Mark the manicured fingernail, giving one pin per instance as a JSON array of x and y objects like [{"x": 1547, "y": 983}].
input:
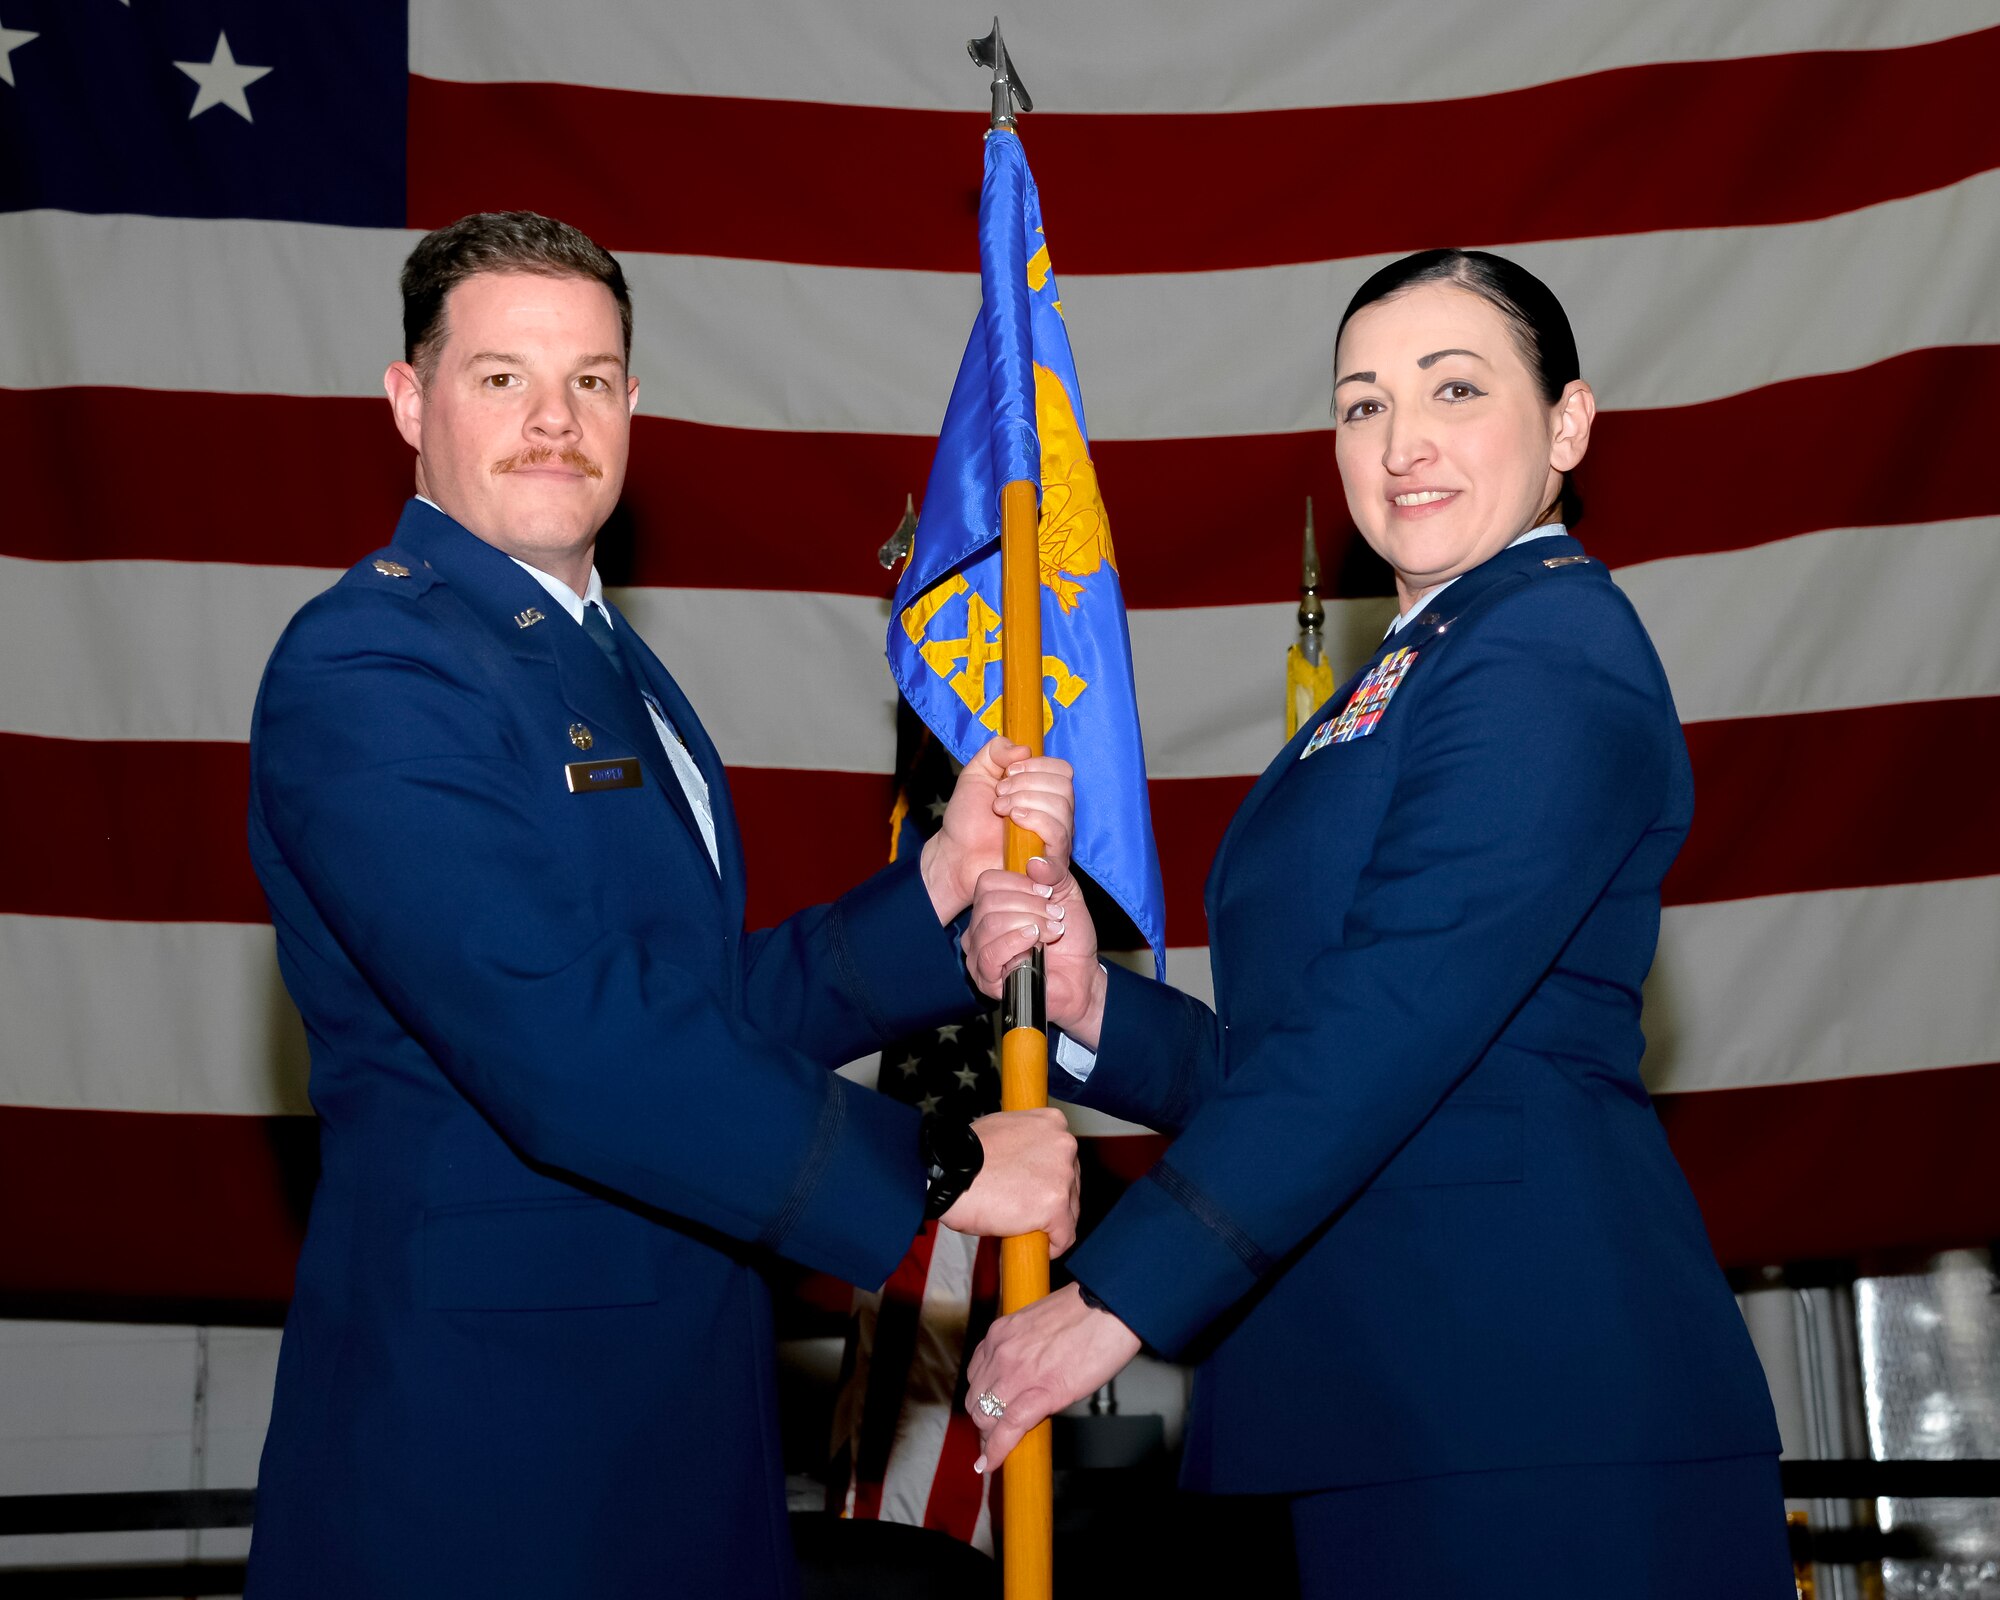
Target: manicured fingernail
[
  {"x": 979, "y": 1465},
  {"x": 1044, "y": 889},
  {"x": 1057, "y": 912}
]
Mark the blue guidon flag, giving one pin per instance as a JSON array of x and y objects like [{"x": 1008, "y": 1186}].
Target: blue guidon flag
[{"x": 1016, "y": 413}]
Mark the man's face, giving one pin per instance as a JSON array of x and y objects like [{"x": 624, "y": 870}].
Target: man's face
[{"x": 523, "y": 430}]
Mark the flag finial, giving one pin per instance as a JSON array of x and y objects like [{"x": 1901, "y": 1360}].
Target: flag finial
[
  {"x": 1312, "y": 615},
  {"x": 1008, "y": 90},
  {"x": 899, "y": 544}
]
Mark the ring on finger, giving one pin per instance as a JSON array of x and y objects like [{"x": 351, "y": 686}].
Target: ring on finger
[{"x": 991, "y": 1404}]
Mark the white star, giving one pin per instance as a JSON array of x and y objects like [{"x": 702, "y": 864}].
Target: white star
[
  {"x": 11, "y": 39},
  {"x": 222, "y": 81},
  {"x": 907, "y": 1066},
  {"x": 938, "y": 807},
  {"x": 968, "y": 1077},
  {"x": 928, "y": 1104},
  {"x": 949, "y": 1032}
]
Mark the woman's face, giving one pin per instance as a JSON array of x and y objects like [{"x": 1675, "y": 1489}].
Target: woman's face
[{"x": 1446, "y": 448}]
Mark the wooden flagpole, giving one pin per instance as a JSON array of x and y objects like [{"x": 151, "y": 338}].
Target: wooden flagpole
[
  {"x": 1028, "y": 1478},
  {"x": 1028, "y": 1494}
]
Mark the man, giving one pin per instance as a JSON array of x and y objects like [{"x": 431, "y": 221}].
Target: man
[{"x": 567, "y": 1103}]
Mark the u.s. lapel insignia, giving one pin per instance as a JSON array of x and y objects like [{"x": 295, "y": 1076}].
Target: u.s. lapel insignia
[
  {"x": 528, "y": 618},
  {"x": 1364, "y": 708},
  {"x": 579, "y": 736},
  {"x": 391, "y": 569}
]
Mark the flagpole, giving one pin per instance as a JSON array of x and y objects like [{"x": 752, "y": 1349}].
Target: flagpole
[
  {"x": 1028, "y": 1496},
  {"x": 1028, "y": 1478}
]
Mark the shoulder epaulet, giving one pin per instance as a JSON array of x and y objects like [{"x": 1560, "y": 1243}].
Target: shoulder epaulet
[{"x": 392, "y": 569}]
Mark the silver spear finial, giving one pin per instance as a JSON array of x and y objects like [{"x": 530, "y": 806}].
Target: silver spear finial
[{"x": 1008, "y": 90}]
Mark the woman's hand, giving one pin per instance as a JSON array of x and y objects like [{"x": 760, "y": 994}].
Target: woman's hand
[
  {"x": 1002, "y": 783},
  {"x": 1012, "y": 913},
  {"x": 1037, "y": 1361}
]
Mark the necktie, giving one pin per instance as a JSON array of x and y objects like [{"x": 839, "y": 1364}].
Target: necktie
[{"x": 598, "y": 626}]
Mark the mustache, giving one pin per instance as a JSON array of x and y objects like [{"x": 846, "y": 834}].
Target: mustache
[{"x": 536, "y": 455}]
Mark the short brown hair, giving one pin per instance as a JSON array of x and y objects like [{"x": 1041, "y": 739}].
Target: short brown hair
[{"x": 497, "y": 241}]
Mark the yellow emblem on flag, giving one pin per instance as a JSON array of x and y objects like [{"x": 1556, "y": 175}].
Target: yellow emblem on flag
[{"x": 1075, "y": 533}]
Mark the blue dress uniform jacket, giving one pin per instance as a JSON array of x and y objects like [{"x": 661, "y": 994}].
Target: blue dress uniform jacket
[
  {"x": 1419, "y": 1216},
  {"x": 566, "y": 1103}
]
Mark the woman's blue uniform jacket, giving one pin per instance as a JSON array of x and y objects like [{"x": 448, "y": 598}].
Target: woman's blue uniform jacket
[
  {"x": 1419, "y": 1215},
  {"x": 566, "y": 1103}
]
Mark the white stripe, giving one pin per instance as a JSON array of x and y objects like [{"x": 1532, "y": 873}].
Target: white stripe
[
  {"x": 1662, "y": 319},
  {"x": 1822, "y": 622},
  {"x": 1848, "y": 983},
  {"x": 1764, "y": 991},
  {"x": 1133, "y": 55},
  {"x": 140, "y": 649},
  {"x": 1827, "y": 621},
  {"x": 147, "y": 1016},
  {"x": 930, "y": 1384},
  {"x": 1744, "y": 992},
  {"x": 927, "y": 1384}
]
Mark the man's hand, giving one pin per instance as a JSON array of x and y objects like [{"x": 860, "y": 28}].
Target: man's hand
[
  {"x": 1028, "y": 1183},
  {"x": 1040, "y": 1359},
  {"x": 1013, "y": 912},
  {"x": 1002, "y": 783}
]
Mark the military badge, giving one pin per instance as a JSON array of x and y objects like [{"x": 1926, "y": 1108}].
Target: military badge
[{"x": 1365, "y": 706}]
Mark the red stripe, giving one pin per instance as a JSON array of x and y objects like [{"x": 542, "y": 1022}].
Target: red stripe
[
  {"x": 1769, "y": 1165},
  {"x": 137, "y": 832},
  {"x": 738, "y": 509},
  {"x": 1777, "y": 1170},
  {"x": 128, "y": 832},
  {"x": 192, "y": 1207},
  {"x": 119, "y": 1205},
  {"x": 873, "y": 187},
  {"x": 1784, "y": 805},
  {"x": 792, "y": 866},
  {"x": 1841, "y": 800}
]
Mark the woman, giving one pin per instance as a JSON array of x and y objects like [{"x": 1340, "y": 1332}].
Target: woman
[{"x": 1419, "y": 1225}]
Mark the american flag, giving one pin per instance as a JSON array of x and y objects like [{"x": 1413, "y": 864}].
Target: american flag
[
  {"x": 1776, "y": 226},
  {"x": 902, "y": 1446}
]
